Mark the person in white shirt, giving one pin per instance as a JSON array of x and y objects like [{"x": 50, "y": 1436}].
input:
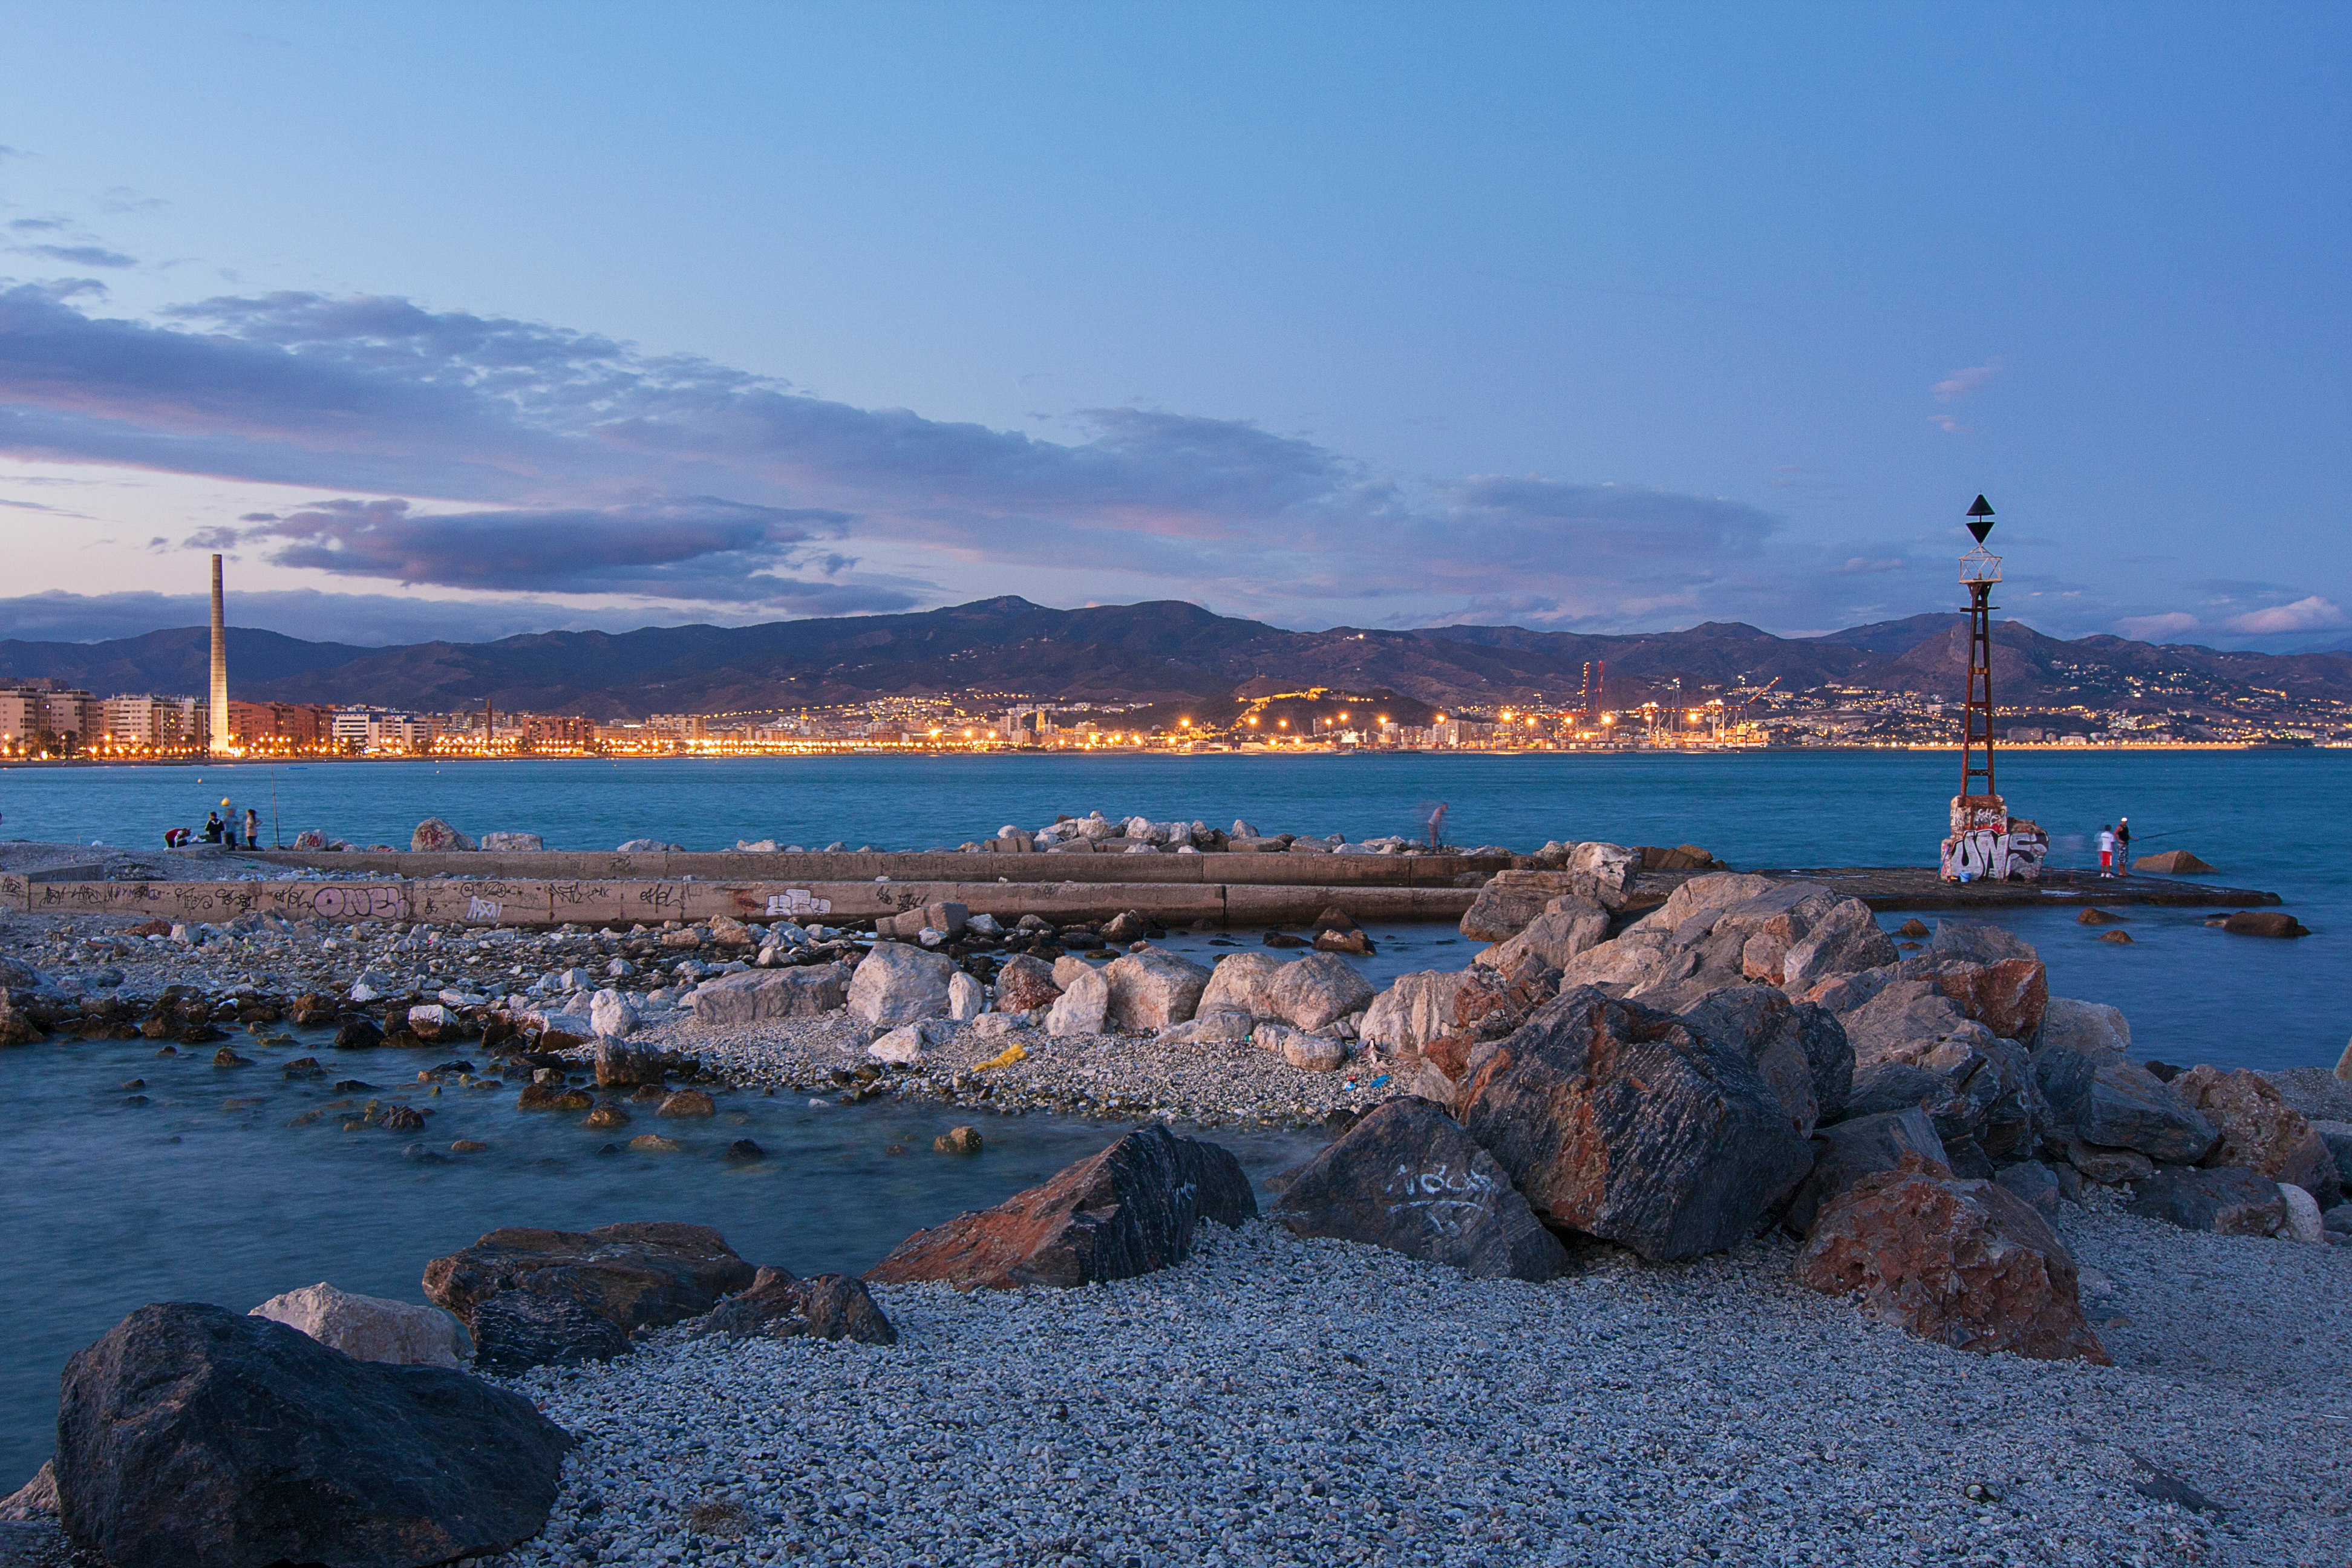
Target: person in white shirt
[{"x": 2107, "y": 851}]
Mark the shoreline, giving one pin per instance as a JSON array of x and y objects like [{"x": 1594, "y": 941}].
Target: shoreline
[{"x": 933, "y": 752}]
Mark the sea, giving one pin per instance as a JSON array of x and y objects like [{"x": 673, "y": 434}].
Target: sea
[{"x": 185, "y": 1188}]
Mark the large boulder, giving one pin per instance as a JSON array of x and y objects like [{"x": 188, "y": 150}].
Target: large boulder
[
  {"x": 1501, "y": 912},
  {"x": 778, "y": 1306},
  {"x": 2229, "y": 1199},
  {"x": 1083, "y": 1007},
  {"x": 1025, "y": 982},
  {"x": 1847, "y": 939},
  {"x": 896, "y": 983},
  {"x": 513, "y": 843},
  {"x": 2086, "y": 1028},
  {"x": 1126, "y": 1211},
  {"x": 1964, "y": 1263},
  {"x": 2007, "y": 998},
  {"x": 556, "y": 1286},
  {"x": 1152, "y": 990},
  {"x": 1487, "y": 1006},
  {"x": 1407, "y": 1177},
  {"x": 755, "y": 995},
  {"x": 2124, "y": 1106},
  {"x": 1242, "y": 982},
  {"x": 1799, "y": 1050},
  {"x": 1415, "y": 1009},
  {"x": 1974, "y": 942},
  {"x": 1627, "y": 1124},
  {"x": 1569, "y": 926},
  {"x": 1704, "y": 895},
  {"x": 372, "y": 1327},
  {"x": 1845, "y": 1151},
  {"x": 2260, "y": 1131},
  {"x": 1316, "y": 991},
  {"x": 433, "y": 835},
  {"x": 193, "y": 1438}
]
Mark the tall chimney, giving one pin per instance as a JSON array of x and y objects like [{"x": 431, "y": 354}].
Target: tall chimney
[{"x": 220, "y": 740}]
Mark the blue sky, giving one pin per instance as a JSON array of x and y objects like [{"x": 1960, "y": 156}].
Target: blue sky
[{"x": 461, "y": 321}]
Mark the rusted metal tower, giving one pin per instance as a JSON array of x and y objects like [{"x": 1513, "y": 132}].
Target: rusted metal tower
[{"x": 1979, "y": 570}]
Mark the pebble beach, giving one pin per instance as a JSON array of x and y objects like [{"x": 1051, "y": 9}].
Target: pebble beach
[{"x": 1277, "y": 1400}]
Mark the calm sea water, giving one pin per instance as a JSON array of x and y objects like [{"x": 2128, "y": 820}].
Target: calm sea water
[{"x": 199, "y": 1195}]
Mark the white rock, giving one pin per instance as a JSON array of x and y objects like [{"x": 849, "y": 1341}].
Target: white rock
[
  {"x": 1306, "y": 1052},
  {"x": 1152, "y": 990},
  {"x": 755, "y": 847},
  {"x": 1080, "y": 1008},
  {"x": 429, "y": 1016},
  {"x": 902, "y": 1047},
  {"x": 966, "y": 999},
  {"x": 986, "y": 925},
  {"x": 999, "y": 1025},
  {"x": 2303, "y": 1222},
  {"x": 1241, "y": 983},
  {"x": 364, "y": 992},
  {"x": 371, "y": 1328},
  {"x": 896, "y": 983},
  {"x": 513, "y": 843},
  {"x": 1316, "y": 990},
  {"x": 1220, "y": 1027},
  {"x": 611, "y": 1015},
  {"x": 1067, "y": 968}
]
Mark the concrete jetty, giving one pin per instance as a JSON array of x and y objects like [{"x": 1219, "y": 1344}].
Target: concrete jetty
[{"x": 551, "y": 888}]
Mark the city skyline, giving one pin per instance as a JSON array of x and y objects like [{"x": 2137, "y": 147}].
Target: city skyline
[{"x": 1577, "y": 321}]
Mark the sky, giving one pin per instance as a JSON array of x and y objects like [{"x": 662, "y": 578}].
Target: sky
[{"x": 457, "y": 322}]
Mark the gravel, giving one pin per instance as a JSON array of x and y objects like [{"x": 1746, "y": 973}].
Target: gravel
[
  {"x": 1207, "y": 1084},
  {"x": 1274, "y": 1401}
]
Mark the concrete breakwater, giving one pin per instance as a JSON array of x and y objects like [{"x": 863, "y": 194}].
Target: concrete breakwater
[{"x": 498, "y": 902}]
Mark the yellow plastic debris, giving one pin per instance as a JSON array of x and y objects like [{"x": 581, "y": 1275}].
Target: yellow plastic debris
[{"x": 1005, "y": 1057}]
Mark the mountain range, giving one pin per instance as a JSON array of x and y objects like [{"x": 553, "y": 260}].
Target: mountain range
[{"x": 1172, "y": 652}]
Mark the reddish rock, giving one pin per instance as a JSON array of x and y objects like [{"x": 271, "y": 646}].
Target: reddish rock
[
  {"x": 2007, "y": 998},
  {"x": 637, "y": 1275},
  {"x": 2259, "y": 1129},
  {"x": 1349, "y": 942},
  {"x": 1126, "y": 1211},
  {"x": 1628, "y": 1125},
  {"x": 1025, "y": 984},
  {"x": 1966, "y": 1263},
  {"x": 2171, "y": 863}
]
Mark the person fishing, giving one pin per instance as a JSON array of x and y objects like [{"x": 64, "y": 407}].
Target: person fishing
[
  {"x": 252, "y": 828},
  {"x": 2123, "y": 845},
  {"x": 2107, "y": 850}
]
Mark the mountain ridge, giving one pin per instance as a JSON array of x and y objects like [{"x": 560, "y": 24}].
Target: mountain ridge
[{"x": 1164, "y": 651}]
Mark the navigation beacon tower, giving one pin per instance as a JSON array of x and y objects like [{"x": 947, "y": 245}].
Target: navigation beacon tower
[
  {"x": 220, "y": 735},
  {"x": 1985, "y": 841}
]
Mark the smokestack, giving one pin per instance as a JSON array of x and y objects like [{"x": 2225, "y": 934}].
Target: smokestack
[{"x": 220, "y": 740}]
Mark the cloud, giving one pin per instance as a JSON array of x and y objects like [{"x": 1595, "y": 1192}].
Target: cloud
[
  {"x": 372, "y": 620},
  {"x": 483, "y": 453},
  {"x": 1960, "y": 383},
  {"x": 2156, "y": 628},
  {"x": 697, "y": 548},
  {"x": 2308, "y": 615},
  {"x": 1949, "y": 425},
  {"x": 1865, "y": 566},
  {"x": 78, "y": 255}
]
